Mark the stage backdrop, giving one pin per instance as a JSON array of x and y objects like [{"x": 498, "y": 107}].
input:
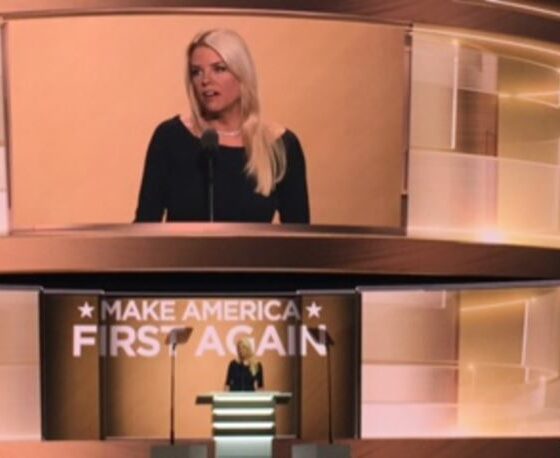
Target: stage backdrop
[
  {"x": 86, "y": 94},
  {"x": 110, "y": 355}
]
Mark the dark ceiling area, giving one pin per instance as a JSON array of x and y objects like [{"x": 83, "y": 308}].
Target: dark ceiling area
[{"x": 481, "y": 15}]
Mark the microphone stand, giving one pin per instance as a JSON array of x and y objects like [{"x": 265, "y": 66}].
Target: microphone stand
[
  {"x": 210, "y": 187},
  {"x": 210, "y": 143},
  {"x": 172, "y": 410},
  {"x": 176, "y": 336},
  {"x": 329, "y": 388}
]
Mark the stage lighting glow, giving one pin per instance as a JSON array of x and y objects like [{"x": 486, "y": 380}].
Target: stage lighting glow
[
  {"x": 526, "y": 8},
  {"x": 535, "y": 97},
  {"x": 265, "y": 412},
  {"x": 243, "y": 439},
  {"x": 474, "y": 308},
  {"x": 491, "y": 236},
  {"x": 244, "y": 398},
  {"x": 455, "y": 100},
  {"x": 488, "y": 39}
]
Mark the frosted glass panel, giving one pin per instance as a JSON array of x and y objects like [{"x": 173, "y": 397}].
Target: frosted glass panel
[
  {"x": 458, "y": 194},
  {"x": 3, "y": 212},
  {"x": 20, "y": 403},
  {"x": 409, "y": 370},
  {"x": 484, "y": 160},
  {"x": 528, "y": 194},
  {"x": 448, "y": 191},
  {"x": 432, "y": 97},
  {"x": 3, "y": 164},
  {"x": 489, "y": 364}
]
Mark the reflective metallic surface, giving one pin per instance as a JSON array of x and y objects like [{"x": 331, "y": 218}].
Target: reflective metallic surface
[{"x": 266, "y": 249}]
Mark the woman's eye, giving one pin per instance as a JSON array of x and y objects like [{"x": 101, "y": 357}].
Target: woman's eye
[
  {"x": 220, "y": 68},
  {"x": 195, "y": 72}
]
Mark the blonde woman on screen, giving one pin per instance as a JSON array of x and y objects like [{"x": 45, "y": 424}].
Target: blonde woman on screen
[
  {"x": 223, "y": 162},
  {"x": 244, "y": 373}
]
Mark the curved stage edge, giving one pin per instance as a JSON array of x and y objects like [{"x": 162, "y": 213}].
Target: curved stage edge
[
  {"x": 266, "y": 249},
  {"x": 478, "y": 15}
]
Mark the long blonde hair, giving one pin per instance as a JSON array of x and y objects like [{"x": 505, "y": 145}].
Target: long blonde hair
[
  {"x": 266, "y": 154},
  {"x": 250, "y": 358}
]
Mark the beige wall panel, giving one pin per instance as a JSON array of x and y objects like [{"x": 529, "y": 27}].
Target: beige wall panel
[
  {"x": 431, "y": 104},
  {"x": 86, "y": 94},
  {"x": 20, "y": 402},
  {"x": 409, "y": 326},
  {"x": 542, "y": 342},
  {"x": 4, "y": 212},
  {"x": 492, "y": 333},
  {"x": 408, "y": 375},
  {"x": 529, "y": 197},
  {"x": 529, "y": 133},
  {"x": 19, "y": 318},
  {"x": 509, "y": 361}
]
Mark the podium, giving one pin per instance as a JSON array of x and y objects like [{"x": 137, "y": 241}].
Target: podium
[{"x": 244, "y": 423}]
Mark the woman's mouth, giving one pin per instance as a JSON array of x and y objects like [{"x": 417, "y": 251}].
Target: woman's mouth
[{"x": 210, "y": 94}]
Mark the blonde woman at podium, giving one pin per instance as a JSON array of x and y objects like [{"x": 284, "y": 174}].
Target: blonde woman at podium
[
  {"x": 244, "y": 373},
  {"x": 223, "y": 162}
]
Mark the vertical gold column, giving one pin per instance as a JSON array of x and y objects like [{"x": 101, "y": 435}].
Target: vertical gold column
[
  {"x": 71, "y": 379},
  {"x": 339, "y": 315}
]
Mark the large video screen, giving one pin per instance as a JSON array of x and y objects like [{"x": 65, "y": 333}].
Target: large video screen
[{"x": 87, "y": 92}]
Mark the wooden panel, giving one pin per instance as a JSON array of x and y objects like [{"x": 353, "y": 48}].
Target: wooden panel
[
  {"x": 272, "y": 249},
  {"x": 339, "y": 314},
  {"x": 70, "y": 385},
  {"x": 440, "y": 12},
  {"x": 85, "y": 449},
  {"x": 443, "y": 448}
]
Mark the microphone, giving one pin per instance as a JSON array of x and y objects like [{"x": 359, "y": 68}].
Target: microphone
[
  {"x": 178, "y": 336},
  {"x": 210, "y": 146},
  {"x": 209, "y": 140},
  {"x": 174, "y": 336}
]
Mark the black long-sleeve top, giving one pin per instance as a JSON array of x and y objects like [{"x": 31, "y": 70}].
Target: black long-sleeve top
[
  {"x": 240, "y": 378},
  {"x": 175, "y": 182}
]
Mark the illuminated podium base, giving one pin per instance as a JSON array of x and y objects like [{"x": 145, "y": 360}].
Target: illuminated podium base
[
  {"x": 244, "y": 423},
  {"x": 179, "y": 451},
  {"x": 321, "y": 451},
  {"x": 243, "y": 447}
]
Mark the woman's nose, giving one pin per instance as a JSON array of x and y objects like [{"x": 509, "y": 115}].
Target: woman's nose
[{"x": 205, "y": 77}]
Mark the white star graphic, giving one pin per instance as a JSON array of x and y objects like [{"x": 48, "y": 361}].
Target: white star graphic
[
  {"x": 86, "y": 310},
  {"x": 313, "y": 310}
]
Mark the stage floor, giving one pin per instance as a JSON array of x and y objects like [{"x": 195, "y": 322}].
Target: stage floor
[{"x": 548, "y": 447}]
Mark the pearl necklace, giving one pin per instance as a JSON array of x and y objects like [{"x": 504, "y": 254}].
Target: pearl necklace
[{"x": 229, "y": 133}]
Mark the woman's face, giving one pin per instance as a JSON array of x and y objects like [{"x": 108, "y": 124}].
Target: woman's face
[
  {"x": 217, "y": 89},
  {"x": 243, "y": 350}
]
